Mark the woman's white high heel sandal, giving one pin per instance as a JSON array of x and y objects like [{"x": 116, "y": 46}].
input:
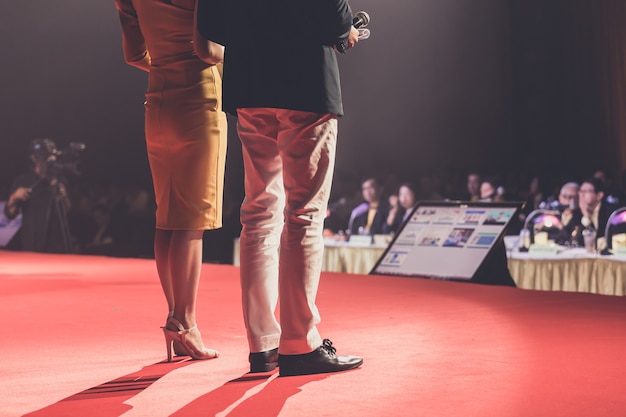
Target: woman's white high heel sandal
[
  {"x": 179, "y": 350},
  {"x": 180, "y": 337}
]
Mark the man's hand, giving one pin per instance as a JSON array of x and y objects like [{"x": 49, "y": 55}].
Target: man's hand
[
  {"x": 585, "y": 209},
  {"x": 21, "y": 194},
  {"x": 352, "y": 39},
  {"x": 393, "y": 209}
]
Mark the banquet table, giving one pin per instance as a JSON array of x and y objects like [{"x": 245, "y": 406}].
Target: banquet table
[{"x": 572, "y": 270}]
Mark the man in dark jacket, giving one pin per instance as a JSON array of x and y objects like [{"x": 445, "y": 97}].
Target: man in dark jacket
[
  {"x": 593, "y": 212},
  {"x": 41, "y": 196},
  {"x": 281, "y": 79},
  {"x": 370, "y": 217}
]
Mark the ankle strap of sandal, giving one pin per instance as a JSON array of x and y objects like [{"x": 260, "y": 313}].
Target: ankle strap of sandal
[{"x": 180, "y": 326}]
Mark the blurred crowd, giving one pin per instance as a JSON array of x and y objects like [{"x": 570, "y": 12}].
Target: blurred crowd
[
  {"x": 374, "y": 205},
  {"x": 117, "y": 219}
]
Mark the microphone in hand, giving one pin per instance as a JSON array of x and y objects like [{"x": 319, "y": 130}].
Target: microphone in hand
[{"x": 360, "y": 20}]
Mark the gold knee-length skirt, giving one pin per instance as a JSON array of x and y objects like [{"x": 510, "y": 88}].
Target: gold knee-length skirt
[{"x": 186, "y": 141}]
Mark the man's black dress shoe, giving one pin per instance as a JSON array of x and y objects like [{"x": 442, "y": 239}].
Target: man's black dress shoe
[
  {"x": 263, "y": 361},
  {"x": 322, "y": 360}
]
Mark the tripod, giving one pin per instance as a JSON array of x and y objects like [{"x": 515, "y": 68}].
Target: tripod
[{"x": 55, "y": 214}]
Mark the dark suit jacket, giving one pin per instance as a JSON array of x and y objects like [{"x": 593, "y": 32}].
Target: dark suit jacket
[
  {"x": 570, "y": 229},
  {"x": 279, "y": 53}
]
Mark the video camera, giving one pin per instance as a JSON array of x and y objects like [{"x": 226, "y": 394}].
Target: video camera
[
  {"x": 65, "y": 161},
  {"x": 68, "y": 160}
]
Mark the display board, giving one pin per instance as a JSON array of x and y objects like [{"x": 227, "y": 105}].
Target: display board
[{"x": 447, "y": 240}]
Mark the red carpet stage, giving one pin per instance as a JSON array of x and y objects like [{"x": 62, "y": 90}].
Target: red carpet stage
[{"x": 80, "y": 337}]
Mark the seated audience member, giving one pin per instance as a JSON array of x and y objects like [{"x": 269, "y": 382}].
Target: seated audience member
[
  {"x": 472, "y": 187},
  {"x": 538, "y": 191},
  {"x": 533, "y": 196},
  {"x": 370, "y": 217},
  {"x": 565, "y": 203},
  {"x": 491, "y": 190},
  {"x": 401, "y": 206},
  {"x": 592, "y": 211}
]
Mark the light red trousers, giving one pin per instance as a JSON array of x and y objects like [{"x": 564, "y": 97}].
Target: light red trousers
[{"x": 289, "y": 158}]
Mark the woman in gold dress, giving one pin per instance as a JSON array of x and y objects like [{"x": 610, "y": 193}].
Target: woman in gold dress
[{"x": 186, "y": 141}]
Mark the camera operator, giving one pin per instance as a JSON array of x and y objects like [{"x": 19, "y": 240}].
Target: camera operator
[{"x": 41, "y": 196}]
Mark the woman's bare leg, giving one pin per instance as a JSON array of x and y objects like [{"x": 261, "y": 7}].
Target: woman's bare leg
[
  {"x": 185, "y": 262},
  {"x": 178, "y": 255},
  {"x": 162, "y": 243}
]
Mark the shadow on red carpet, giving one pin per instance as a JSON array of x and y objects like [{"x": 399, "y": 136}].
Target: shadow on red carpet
[
  {"x": 107, "y": 399},
  {"x": 245, "y": 396},
  {"x": 240, "y": 397}
]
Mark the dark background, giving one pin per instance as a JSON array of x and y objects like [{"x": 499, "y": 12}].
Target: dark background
[{"x": 442, "y": 86}]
